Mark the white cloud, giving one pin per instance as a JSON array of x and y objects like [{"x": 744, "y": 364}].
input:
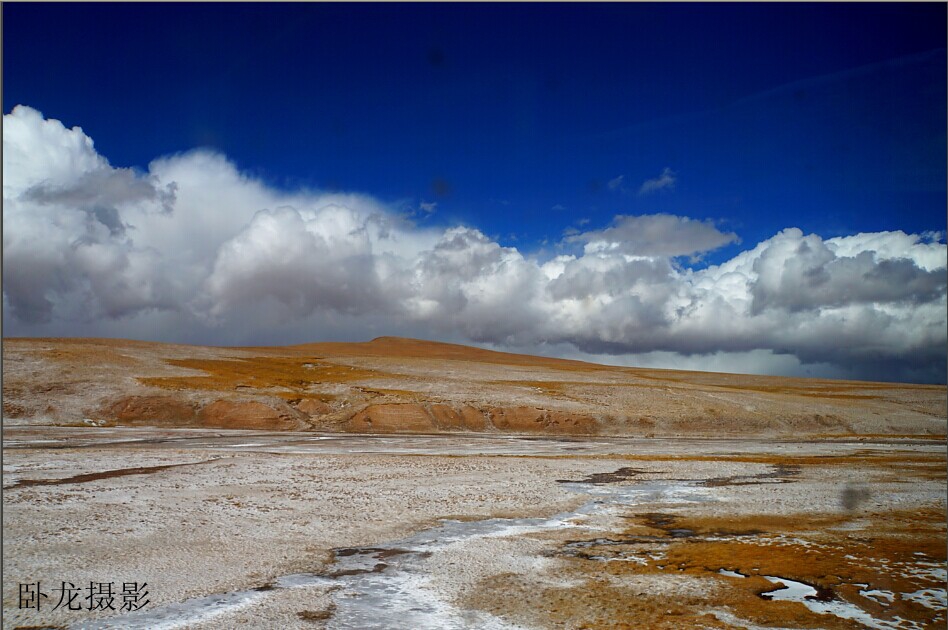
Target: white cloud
[
  {"x": 665, "y": 180},
  {"x": 196, "y": 251},
  {"x": 615, "y": 183},
  {"x": 655, "y": 235}
]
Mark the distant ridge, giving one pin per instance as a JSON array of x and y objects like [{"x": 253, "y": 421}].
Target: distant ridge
[{"x": 388, "y": 346}]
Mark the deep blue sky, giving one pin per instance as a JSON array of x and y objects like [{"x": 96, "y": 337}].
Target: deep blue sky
[{"x": 513, "y": 117}]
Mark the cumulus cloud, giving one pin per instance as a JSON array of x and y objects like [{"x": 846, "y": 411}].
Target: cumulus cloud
[
  {"x": 304, "y": 261},
  {"x": 615, "y": 183},
  {"x": 194, "y": 250},
  {"x": 665, "y": 180},
  {"x": 800, "y": 272}
]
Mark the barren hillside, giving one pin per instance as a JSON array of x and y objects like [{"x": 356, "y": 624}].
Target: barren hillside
[{"x": 405, "y": 385}]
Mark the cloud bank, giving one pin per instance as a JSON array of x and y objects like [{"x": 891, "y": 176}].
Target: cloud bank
[{"x": 195, "y": 251}]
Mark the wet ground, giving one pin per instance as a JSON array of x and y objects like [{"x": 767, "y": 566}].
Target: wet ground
[{"x": 335, "y": 531}]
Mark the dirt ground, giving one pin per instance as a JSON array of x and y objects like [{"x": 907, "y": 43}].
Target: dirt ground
[{"x": 645, "y": 528}]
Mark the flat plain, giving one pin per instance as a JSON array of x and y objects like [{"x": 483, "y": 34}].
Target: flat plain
[{"x": 407, "y": 484}]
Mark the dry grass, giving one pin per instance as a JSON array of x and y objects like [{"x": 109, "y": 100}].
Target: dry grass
[
  {"x": 675, "y": 581},
  {"x": 293, "y": 374}
]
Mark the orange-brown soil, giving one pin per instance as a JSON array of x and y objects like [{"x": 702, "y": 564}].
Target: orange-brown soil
[
  {"x": 145, "y": 409},
  {"x": 404, "y": 385},
  {"x": 227, "y": 414}
]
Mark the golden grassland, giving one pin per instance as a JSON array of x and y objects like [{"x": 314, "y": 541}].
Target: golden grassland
[{"x": 294, "y": 375}]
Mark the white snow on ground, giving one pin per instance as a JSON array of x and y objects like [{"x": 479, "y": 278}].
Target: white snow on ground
[
  {"x": 934, "y": 598},
  {"x": 799, "y": 592}
]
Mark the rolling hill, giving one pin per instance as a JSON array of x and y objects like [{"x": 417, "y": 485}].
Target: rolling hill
[{"x": 401, "y": 385}]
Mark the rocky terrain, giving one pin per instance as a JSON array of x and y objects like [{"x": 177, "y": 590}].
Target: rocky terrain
[{"x": 395, "y": 385}]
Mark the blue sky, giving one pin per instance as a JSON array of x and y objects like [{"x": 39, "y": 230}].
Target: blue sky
[
  {"x": 831, "y": 114},
  {"x": 530, "y": 124}
]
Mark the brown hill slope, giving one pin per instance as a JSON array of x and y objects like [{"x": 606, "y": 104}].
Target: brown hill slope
[{"x": 407, "y": 385}]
